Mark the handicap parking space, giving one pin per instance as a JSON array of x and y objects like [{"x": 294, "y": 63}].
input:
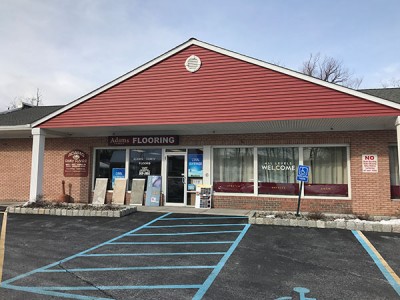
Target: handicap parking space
[
  {"x": 188, "y": 256},
  {"x": 388, "y": 245},
  {"x": 272, "y": 261}
]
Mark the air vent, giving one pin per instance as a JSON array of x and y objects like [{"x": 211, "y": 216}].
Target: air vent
[{"x": 193, "y": 63}]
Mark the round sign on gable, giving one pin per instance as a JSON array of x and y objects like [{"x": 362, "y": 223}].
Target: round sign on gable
[{"x": 193, "y": 63}]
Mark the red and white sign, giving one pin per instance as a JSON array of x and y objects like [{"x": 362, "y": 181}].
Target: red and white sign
[{"x": 370, "y": 163}]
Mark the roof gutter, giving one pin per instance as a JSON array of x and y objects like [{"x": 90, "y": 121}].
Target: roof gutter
[{"x": 16, "y": 127}]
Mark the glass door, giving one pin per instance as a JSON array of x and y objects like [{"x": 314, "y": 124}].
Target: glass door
[{"x": 176, "y": 179}]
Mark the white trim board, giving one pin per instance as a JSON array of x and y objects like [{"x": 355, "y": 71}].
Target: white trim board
[
  {"x": 226, "y": 52},
  {"x": 15, "y": 127}
]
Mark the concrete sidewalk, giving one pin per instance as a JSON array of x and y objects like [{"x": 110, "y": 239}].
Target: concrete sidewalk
[{"x": 192, "y": 210}]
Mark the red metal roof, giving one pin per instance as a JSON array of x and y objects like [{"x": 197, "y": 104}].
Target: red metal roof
[{"x": 224, "y": 89}]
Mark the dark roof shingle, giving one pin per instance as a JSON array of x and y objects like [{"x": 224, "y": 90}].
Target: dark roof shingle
[
  {"x": 26, "y": 115},
  {"x": 392, "y": 94}
]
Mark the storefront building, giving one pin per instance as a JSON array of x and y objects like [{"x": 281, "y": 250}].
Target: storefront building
[{"x": 200, "y": 114}]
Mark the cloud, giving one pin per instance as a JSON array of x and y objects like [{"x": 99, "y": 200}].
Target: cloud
[{"x": 68, "y": 48}]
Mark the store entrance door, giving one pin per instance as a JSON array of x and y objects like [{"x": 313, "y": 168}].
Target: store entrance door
[{"x": 176, "y": 179}]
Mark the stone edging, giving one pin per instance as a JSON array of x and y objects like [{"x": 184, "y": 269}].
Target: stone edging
[
  {"x": 337, "y": 224},
  {"x": 76, "y": 212}
]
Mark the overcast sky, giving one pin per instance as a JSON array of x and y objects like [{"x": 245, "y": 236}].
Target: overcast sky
[{"x": 67, "y": 48}]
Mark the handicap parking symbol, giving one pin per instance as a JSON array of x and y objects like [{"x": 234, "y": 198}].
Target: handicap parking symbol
[
  {"x": 302, "y": 173},
  {"x": 301, "y": 294}
]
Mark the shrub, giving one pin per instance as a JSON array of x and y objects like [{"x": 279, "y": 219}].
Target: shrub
[
  {"x": 316, "y": 215},
  {"x": 365, "y": 217}
]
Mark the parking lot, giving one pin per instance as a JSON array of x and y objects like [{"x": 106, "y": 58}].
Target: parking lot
[{"x": 188, "y": 256}]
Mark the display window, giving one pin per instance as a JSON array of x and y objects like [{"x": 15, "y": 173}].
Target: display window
[
  {"x": 233, "y": 170},
  {"x": 328, "y": 171},
  {"x": 110, "y": 163},
  {"x": 143, "y": 163},
  {"x": 277, "y": 169}
]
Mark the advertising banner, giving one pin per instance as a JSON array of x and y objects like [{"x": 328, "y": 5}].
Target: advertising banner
[
  {"x": 153, "y": 191},
  {"x": 117, "y": 173},
  {"x": 195, "y": 165}
]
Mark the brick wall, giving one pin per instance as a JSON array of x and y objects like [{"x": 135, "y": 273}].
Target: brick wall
[
  {"x": 370, "y": 191},
  {"x": 282, "y": 204},
  {"x": 15, "y": 169},
  {"x": 55, "y": 149}
]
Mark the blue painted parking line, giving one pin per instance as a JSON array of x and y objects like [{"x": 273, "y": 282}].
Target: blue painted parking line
[
  {"x": 40, "y": 291},
  {"x": 62, "y": 291},
  {"x": 120, "y": 287},
  {"x": 125, "y": 269},
  {"x": 206, "y": 218},
  {"x": 171, "y": 243},
  {"x": 191, "y": 225},
  {"x": 186, "y": 233},
  {"x": 152, "y": 254}
]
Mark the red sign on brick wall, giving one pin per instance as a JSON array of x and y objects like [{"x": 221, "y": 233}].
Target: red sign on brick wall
[{"x": 76, "y": 164}]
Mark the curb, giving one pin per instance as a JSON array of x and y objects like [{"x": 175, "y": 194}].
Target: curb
[
  {"x": 340, "y": 224},
  {"x": 72, "y": 212}
]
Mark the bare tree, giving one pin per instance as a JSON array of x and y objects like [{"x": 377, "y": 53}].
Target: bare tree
[
  {"x": 391, "y": 83},
  {"x": 331, "y": 70},
  {"x": 32, "y": 100}
]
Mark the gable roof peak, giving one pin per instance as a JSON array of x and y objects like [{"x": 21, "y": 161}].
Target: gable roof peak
[{"x": 229, "y": 53}]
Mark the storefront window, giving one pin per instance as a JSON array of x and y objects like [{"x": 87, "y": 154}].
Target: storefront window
[
  {"x": 144, "y": 163},
  {"x": 233, "y": 170},
  {"x": 328, "y": 171},
  {"x": 110, "y": 163},
  {"x": 277, "y": 169},
  {"x": 394, "y": 173}
]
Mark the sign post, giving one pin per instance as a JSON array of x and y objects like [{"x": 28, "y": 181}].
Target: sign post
[{"x": 302, "y": 176}]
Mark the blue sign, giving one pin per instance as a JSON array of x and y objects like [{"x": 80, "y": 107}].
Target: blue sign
[
  {"x": 195, "y": 165},
  {"x": 117, "y": 173},
  {"x": 302, "y": 173}
]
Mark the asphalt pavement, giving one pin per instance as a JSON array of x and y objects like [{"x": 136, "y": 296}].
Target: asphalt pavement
[{"x": 188, "y": 256}]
